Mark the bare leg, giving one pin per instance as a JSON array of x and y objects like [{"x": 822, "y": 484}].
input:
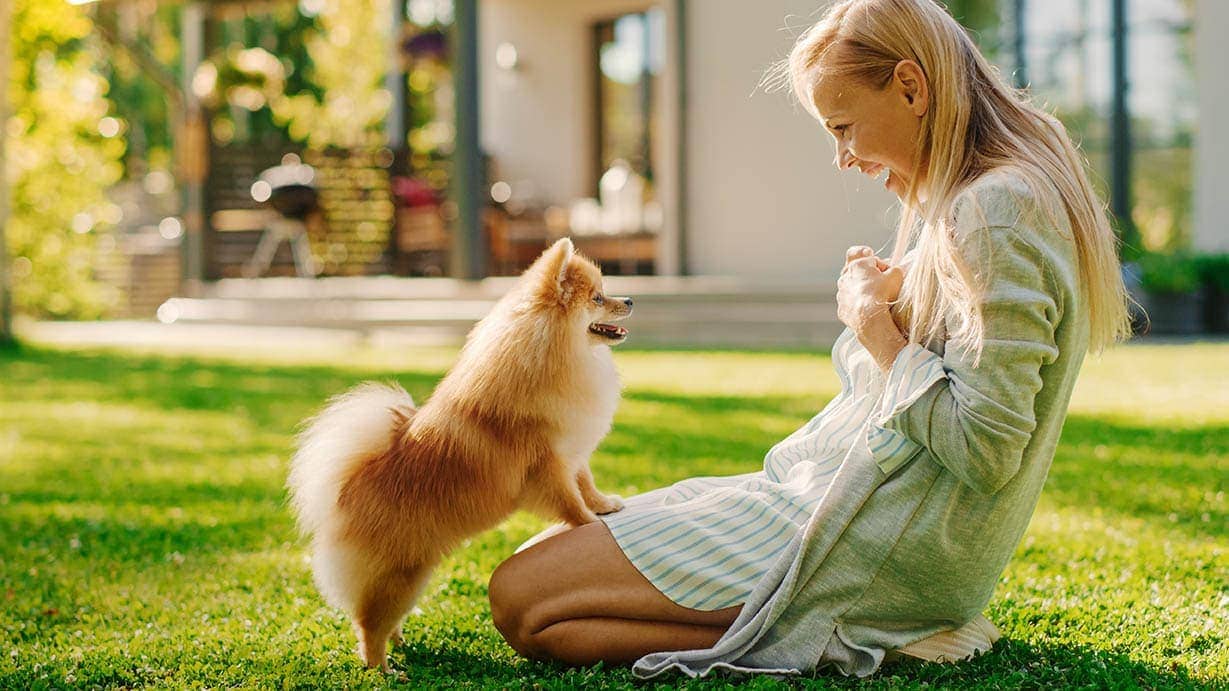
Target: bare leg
[
  {"x": 620, "y": 641},
  {"x": 594, "y": 498},
  {"x": 576, "y": 598}
]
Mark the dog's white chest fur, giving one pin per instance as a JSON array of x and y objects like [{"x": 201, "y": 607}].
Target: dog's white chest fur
[{"x": 587, "y": 418}]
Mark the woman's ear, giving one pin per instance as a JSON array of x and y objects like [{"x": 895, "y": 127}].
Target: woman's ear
[{"x": 910, "y": 82}]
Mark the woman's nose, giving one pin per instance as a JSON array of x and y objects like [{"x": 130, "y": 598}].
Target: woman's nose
[{"x": 844, "y": 158}]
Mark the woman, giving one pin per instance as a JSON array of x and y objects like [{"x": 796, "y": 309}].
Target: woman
[{"x": 886, "y": 519}]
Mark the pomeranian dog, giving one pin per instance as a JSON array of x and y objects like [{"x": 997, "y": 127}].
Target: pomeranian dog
[{"x": 386, "y": 490}]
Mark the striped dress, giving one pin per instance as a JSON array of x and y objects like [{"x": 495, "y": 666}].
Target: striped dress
[{"x": 705, "y": 542}]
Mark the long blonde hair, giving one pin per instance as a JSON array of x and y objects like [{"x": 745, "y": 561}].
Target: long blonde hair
[{"x": 975, "y": 123}]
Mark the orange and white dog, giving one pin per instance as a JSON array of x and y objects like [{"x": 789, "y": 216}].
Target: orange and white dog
[{"x": 385, "y": 490}]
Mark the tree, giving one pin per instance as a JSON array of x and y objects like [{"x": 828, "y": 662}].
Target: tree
[
  {"x": 349, "y": 57},
  {"x": 62, "y": 152},
  {"x": 6, "y": 304}
]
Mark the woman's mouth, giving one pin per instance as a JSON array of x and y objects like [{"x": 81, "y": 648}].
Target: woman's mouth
[{"x": 876, "y": 171}]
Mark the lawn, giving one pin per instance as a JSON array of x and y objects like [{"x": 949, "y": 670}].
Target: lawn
[{"x": 145, "y": 541}]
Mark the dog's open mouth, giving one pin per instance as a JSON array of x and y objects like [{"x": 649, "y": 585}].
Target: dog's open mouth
[{"x": 614, "y": 333}]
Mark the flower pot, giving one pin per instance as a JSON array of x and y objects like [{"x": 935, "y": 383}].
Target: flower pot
[{"x": 1174, "y": 313}]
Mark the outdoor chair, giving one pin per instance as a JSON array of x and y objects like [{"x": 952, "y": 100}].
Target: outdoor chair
[{"x": 290, "y": 190}]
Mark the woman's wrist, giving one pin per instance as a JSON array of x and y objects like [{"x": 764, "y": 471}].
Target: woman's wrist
[{"x": 881, "y": 337}]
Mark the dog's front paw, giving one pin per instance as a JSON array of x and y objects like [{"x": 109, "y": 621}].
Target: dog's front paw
[{"x": 609, "y": 503}]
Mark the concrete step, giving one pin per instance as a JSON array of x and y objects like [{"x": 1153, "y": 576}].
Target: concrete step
[
  {"x": 701, "y": 311},
  {"x": 689, "y": 288}
]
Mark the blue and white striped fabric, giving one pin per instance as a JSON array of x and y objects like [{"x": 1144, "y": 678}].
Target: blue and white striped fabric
[
  {"x": 913, "y": 372},
  {"x": 704, "y": 542}
]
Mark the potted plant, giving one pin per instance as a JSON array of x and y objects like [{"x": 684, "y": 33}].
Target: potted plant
[
  {"x": 1214, "y": 272},
  {"x": 1172, "y": 293}
]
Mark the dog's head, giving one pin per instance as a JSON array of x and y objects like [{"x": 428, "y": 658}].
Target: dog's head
[{"x": 563, "y": 280}]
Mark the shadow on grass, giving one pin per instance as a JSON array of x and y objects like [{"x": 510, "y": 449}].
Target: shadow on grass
[
  {"x": 138, "y": 543},
  {"x": 1012, "y": 664},
  {"x": 794, "y": 406},
  {"x": 1022, "y": 664},
  {"x": 264, "y": 392}
]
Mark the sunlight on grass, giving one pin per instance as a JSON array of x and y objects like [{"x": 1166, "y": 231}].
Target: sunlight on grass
[{"x": 146, "y": 539}]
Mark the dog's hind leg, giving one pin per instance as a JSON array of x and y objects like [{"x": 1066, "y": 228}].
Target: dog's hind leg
[{"x": 383, "y": 606}]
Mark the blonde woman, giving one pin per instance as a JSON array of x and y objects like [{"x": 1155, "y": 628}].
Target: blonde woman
[{"x": 883, "y": 524}]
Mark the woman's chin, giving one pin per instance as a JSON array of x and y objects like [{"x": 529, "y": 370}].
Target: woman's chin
[{"x": 895, "y": 185}]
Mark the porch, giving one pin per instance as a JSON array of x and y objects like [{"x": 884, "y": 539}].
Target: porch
[{"x": 670, "y": 311}]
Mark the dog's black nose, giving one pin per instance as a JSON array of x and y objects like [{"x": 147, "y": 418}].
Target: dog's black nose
[{"x": 627, "y": 301}]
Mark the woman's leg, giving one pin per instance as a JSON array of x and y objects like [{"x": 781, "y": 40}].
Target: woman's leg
[{"x": 576, "y": 598}]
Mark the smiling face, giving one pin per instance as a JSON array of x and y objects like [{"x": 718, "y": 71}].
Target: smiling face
[
  {"x": 603, "y": 310},
  {"x": 565, "y": 279},
  {"x": 875, "y": 129},
  {"x": 598, "y": 310}
]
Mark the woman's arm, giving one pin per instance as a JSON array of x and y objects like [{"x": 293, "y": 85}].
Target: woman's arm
[
  {"x": 977, "y": 421},
  {"x": 882, "y": 338}
]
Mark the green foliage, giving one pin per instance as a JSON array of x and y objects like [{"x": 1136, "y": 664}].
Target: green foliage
[
  {"x": 152, "y": 546},
  {"x": 59, "y": 166},
  {"x": 137, "y": 99},
  {"x": 981, "y": 19},
  {"x": 1162, "y": 180},
  {"x": 259, "y": 58},
  {"x": 349, "y": 56},
  {"x": 1214, "y": 270},
  {"x": 1176, "y": 272}
]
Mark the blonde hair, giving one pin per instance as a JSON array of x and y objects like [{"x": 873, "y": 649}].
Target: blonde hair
[{"x": 975, "y": 123}]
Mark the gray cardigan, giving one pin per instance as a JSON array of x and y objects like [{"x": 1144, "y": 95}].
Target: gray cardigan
[{"x": 932, "y": 500}]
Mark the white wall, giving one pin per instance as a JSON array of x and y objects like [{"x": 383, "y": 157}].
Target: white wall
[
  {"x": 763, "y": 198},
  {"x": 1211, "y": 202},
  {"x": 538, "y": 120}
]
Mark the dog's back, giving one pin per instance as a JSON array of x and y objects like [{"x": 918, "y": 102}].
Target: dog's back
[{"x": 353, "y": 426}]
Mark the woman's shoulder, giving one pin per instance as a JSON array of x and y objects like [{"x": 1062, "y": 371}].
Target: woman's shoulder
[
  {"x": 1004, "y": 198},
  {"x": 1003, "y": 223}
]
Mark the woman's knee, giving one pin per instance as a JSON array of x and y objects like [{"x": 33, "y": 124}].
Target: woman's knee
[{"x": 511, "y": 594}]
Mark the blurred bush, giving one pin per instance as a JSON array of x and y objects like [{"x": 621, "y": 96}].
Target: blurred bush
[
  {"x": 1169, "y": 273},
  {"x": 1214, "y": 269},
  {"x": 63, "y": 151}
]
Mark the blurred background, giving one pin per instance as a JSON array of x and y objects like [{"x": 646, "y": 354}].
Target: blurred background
[{"x": 382, "y": 166}]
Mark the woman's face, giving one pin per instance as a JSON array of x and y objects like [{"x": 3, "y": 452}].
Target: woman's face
[{"x": 876, "y": 130}]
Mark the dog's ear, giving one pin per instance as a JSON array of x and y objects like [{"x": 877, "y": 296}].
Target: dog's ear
[{"x": 552, "y": 268}]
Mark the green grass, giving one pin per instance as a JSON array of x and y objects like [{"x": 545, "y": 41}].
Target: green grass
[{"x": 144, "y": 538}]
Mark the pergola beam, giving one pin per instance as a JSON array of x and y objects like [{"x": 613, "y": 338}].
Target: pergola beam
[
  {"x": 469, "y": 247},
  {"x": 192, "y": 149},
  {"x": 1120, "y": 129}
]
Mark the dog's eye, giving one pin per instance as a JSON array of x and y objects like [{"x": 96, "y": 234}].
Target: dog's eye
[{"x": 597, "y": 299}]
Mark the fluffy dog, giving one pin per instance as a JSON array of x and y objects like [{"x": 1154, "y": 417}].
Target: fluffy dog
[{"x": 385, "y": 490}]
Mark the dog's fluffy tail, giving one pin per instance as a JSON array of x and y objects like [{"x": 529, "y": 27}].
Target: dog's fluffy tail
[{"x": 353, "y": 426}]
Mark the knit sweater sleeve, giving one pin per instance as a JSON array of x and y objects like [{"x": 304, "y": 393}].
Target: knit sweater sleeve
[{"x": 976, "y": 421}]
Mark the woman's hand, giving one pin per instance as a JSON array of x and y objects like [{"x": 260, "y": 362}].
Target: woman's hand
[{"x": 863, "y": 292}]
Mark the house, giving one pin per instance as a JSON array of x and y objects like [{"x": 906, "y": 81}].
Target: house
[{"x": 745, "y": 177}]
